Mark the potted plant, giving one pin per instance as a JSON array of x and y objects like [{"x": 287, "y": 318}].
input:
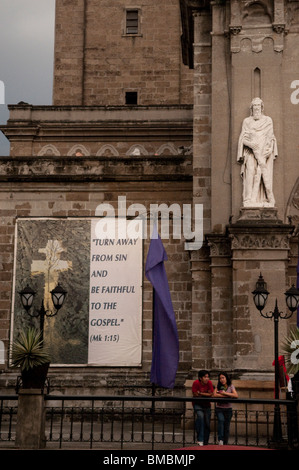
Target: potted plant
[{"x": 29, "y": 354}]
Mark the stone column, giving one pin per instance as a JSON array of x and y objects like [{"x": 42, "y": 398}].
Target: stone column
[
  {"x": 30, "y": 430},
  {"x": 200, "y": 262},
  {"x": 221, "y": 302},
  {"x": 202, "y": 116},
  {"x": 259, "y": 245},
  {"x": 201, "y": 309}
]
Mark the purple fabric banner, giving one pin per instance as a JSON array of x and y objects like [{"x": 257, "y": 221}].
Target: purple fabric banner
[
  {"x": 298, "y": 287},
  {"x": 165, "y": 335}
]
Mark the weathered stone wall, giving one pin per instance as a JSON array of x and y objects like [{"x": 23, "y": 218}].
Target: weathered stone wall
[
  {"x": 231, "y": 61},
  {"x": 89, "y": 148},
  {"x": 96, "y": 62},
  {"x": 74, "y": 188}
]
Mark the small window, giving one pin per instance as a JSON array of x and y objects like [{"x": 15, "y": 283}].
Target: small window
[
  {"x": 132, "y": 22},
  {"x": 131, "y": 97}
]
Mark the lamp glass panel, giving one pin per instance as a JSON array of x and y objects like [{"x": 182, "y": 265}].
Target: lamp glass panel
[
  {"x": 58, "y": 299},
  {"x": 27, "y": 299},
  {"x": 292, "y": 301},
  {"x": 260, "y": 300}
]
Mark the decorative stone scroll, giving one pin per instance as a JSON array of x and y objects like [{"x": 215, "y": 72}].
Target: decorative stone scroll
[
  {"x": 219, "y": 246},
  {"x": 260, "y": 241}
]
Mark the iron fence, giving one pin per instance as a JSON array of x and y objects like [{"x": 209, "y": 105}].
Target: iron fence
[
  {"x": 146, "y": 422},
  {"x": 109, "y": 422},
  {"x": 8, "y": 417}
]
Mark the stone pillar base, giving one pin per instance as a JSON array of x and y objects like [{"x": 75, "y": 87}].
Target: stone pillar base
[
  {"x": 30, "y": 430},
  {"x": 258, "y": 214}
]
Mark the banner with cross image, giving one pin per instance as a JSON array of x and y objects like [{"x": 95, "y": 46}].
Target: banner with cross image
[{"x": 100, "y": 322}]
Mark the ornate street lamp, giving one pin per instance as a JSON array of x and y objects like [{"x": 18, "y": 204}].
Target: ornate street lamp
[
  {"x": 260, "y": 296},
  {"x": 292, "y": 298},
  {"x": 27, "y": 296}
]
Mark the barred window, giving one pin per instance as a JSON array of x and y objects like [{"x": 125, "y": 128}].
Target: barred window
[{"x": 132, "y": 26}]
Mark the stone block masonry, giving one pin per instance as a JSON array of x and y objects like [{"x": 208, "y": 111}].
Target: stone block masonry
[
  {"x": 97, "y": 62},
  {"x": 75, "y": 193}
]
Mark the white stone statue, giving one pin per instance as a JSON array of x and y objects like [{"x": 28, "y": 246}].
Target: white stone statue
[{"x": 257, "y": 150}]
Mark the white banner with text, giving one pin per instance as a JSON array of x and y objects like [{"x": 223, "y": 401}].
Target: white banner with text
[{"x": 115, "y": 307}]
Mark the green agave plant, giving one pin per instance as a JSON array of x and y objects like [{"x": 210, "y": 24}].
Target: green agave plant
[
  {"x": 291, "y": 349},
  {"x": 27, "y": 350}
]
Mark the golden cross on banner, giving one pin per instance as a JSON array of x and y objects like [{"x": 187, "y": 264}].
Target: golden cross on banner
[{"x": 50, "y": 267}]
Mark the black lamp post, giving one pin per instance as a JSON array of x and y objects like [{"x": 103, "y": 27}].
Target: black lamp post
[
  {"x": 27, "y": 296},
  {"x": 260, "y": 296}
]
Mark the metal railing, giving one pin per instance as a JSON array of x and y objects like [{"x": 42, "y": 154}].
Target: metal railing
[
  {"x": 140, "y": 422},
  {"x": 146, "y": 422},
  {"x": 8, "y": 417}
]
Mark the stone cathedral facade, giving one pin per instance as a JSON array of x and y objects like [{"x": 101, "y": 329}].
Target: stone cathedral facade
[{"x": 151, "y": 103}]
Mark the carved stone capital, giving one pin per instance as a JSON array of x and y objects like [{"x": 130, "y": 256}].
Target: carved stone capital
[
  {"x": 219, "y": 246},
  {"x": 200, "y": 255}
]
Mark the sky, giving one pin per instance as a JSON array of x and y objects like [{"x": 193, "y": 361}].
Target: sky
[{"x": 26, "y": 55}]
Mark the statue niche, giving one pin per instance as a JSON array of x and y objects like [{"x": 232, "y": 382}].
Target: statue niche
[{"x": 257, "y": 150}]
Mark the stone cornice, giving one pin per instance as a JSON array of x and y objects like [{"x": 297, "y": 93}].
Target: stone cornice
[
  {"x": 27, "y": 122},
  {"x": 103, "y": 131},
  {"x": 84, "y": 169}
]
